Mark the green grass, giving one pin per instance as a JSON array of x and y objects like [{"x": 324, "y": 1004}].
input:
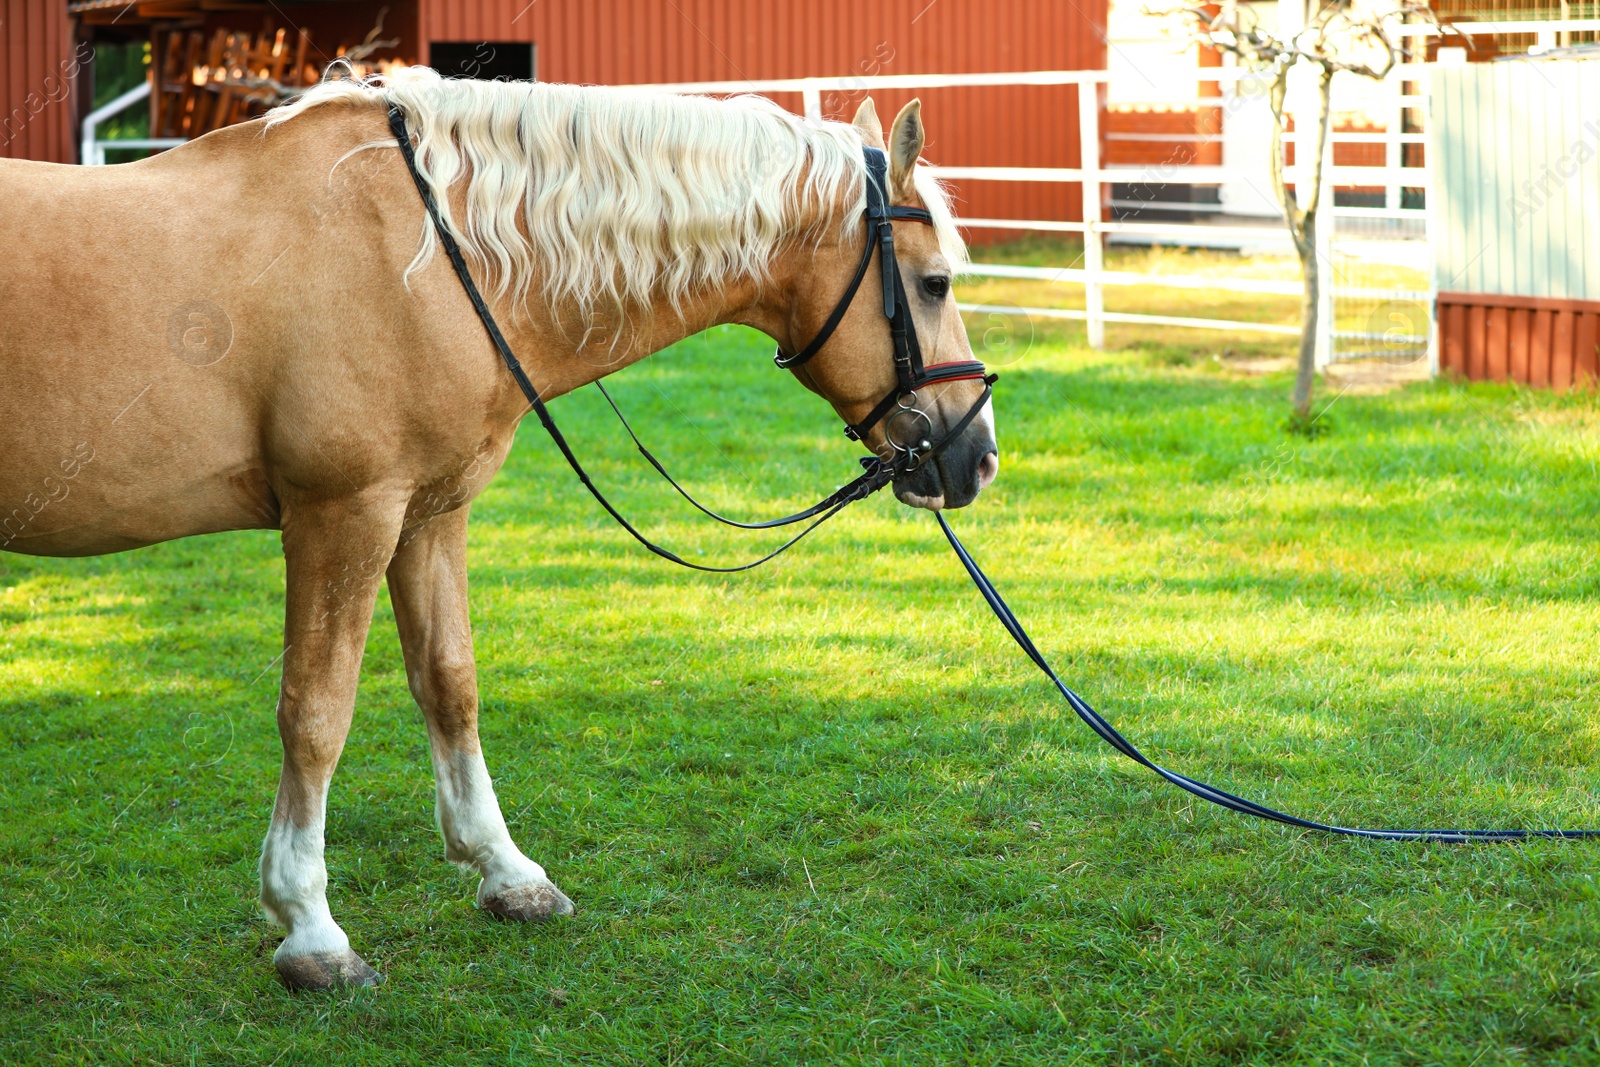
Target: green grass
[{"x": 825, "y": 812}]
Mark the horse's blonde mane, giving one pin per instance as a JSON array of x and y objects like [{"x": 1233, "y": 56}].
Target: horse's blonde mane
[{"x": 608, "y": 198}]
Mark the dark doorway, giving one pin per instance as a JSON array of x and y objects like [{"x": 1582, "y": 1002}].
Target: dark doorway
[{"x": 484, "y": 60}]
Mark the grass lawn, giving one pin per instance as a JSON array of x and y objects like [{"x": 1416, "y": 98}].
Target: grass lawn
[{"x": 826, "y": 812}]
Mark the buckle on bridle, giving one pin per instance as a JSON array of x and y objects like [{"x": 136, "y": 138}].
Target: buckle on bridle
[{"x": 918, "y": 441}]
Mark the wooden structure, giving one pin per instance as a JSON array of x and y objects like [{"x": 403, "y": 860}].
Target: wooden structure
[
  {"x": 1537, "y": 341},
  {"x": 218, "y": 62},
  {"x": 654, "y": 41},
  {"x": 1485, "y": 47},
  {"x": 1517, "y": 177},
  {"x": 201, "y": 87}
]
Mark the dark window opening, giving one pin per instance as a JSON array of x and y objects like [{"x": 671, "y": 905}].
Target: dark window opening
[
  {"x": 483, "y": 60},
  {"x": 1358, "y": 198},
  {"x": 1164, "y": 201}
]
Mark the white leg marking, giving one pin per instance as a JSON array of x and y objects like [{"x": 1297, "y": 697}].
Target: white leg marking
[
  {"x": 474, "y": 831},
  {"x": 475, "y": 837},
  {"x": 294, "y": 890}
]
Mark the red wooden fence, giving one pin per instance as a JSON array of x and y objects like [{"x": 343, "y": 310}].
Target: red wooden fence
[{"x": 1538, "y": 341}]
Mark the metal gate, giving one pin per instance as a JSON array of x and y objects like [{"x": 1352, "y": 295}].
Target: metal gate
[{"x": 1377, "y": 248}]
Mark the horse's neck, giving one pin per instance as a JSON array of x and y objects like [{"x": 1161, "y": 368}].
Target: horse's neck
[{"x": 565, "y": 359}]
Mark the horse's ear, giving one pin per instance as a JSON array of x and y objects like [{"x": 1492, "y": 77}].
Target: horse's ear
[
  {"x": 905, "y": 146},
  {"x": 866, "y": 121}
]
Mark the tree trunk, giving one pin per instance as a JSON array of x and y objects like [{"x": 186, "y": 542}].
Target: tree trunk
[
  {"x": 1301, "y": 223},
  {"x": 1310, "y": 304},
  {"x": 1324, "y": 33},
  {"x": 1305, "y": 241}
]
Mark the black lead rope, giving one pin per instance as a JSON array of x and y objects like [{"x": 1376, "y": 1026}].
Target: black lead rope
[
  {"x": 840, "y": 496},
  {"x": 1109, "y": 734},
  {"x": 859, "y": 489},
  {"x": 878, "y": 474}
]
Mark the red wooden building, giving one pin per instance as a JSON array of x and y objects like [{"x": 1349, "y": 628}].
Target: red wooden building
[
  {"x": 636, "y": 41},
  {"x": 40, "y": 72}
]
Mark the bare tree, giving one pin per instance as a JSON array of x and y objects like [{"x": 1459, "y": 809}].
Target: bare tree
[{"x": 1337, "y": 36}]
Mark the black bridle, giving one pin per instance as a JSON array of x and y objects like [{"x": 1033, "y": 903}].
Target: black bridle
[
  {"x": 910, "y": 372},
  {"x": 911, "y": 375}
]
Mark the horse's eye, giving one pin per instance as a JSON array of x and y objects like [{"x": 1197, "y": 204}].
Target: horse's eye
[{"x": 936, "y": 287}]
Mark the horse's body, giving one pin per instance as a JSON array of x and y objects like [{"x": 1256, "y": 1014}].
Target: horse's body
[
  {"x": 123, "y": 284},
  {"x": 226, "y": 337}
]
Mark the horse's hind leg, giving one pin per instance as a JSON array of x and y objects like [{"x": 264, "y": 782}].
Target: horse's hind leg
[
  {"x": 428, "y": 585},
  {"x": 336, "y": 552}
]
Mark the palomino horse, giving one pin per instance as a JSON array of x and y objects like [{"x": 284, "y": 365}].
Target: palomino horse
[{"x": 244, "y": 333}]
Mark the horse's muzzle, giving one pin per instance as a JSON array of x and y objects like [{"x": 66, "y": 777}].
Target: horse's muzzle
[{"x": 954, "y": 477}]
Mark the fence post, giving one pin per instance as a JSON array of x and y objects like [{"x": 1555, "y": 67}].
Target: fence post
[
  {"x": 1093, "y": 253},
  {"x": 1430, "y": 219},
  {"x": 1394, "y": 124},
  {"x": 811, "y": 97}
]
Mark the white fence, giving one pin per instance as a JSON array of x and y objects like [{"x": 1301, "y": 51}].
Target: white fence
[
  {"x": 1092, "y": 174},
  {"x": 1356, "y": 319},
  {"x": 1396, "y": 223},
  {"x": 92, "y": 152}
]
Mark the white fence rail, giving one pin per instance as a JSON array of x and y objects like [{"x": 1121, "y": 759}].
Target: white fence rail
[
  {"x": 93, "y": 149},
  {"x": 1093, "y": 175},
  {"x": 1392, "y": 100}
]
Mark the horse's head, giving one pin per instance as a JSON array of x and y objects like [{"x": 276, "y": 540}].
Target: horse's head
[{"x": 908, "y": 385}]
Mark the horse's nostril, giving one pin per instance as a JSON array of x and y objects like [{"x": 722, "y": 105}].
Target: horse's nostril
[{"x": 988, "y": 467}]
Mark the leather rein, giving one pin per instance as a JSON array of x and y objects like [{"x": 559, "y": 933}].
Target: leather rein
[{"x": 911, "y": 374}]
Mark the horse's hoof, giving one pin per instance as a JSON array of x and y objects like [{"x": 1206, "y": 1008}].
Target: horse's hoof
[
  {"x": 532, "y": 903},
  {"x": 326, "y": 970}
]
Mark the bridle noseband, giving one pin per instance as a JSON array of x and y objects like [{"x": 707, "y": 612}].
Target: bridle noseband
[{"x": 910, "y": 372}]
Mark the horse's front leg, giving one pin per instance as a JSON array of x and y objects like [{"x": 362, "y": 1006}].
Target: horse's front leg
[
  {"x": 336, "y": 552},
  {"x": 428, "y": 585}
]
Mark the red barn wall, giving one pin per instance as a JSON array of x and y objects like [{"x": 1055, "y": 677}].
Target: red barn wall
[
  {"x": 631, "y": 41},
  {"x": 38, "y": 81}
]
